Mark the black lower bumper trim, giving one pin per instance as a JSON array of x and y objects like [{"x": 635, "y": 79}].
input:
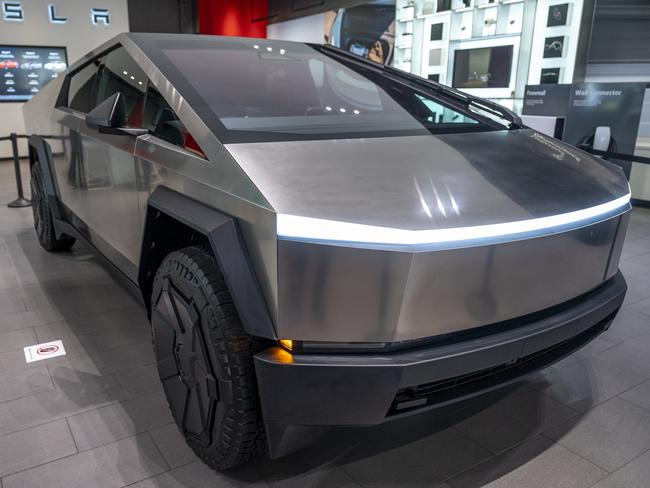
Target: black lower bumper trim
[
  {"x": 367, "y": 389},
  {"x": 451, "y": 389}
]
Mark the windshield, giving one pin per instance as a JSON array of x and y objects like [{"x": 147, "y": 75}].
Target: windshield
[{"x": 272, "y": 90}]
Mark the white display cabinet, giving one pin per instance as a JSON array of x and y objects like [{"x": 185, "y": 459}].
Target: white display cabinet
[
  {"x": 555, "y": 43},
  {"x": 462, "y": 24},
  {"x": 459, "y": 5},
  {"x": 544, "y": 36},
  {"x": 511, "y": 17},
  {"x": 404, "y": 34},
  {"x": 485, "y": 20},
  {"x": 407, "y": 13}
]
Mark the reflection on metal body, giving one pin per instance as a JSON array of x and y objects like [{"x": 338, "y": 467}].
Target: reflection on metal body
[
  {"x": 351, "y": 292},
  {"x": 162, "y": 163},
  {"x": 333, "y": 293},
  {"x": 218, "y": 182},
  {"x": 424, "y": 182}
]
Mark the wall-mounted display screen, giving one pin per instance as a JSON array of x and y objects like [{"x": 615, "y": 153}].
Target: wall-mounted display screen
[
  {"x": 553, "y": 47},
  {"x": 557, "y": 15},
  {"x": 550, "y": 75},
  {"x": 24, "y": 70},
  {"x": 486, "y": 67}
]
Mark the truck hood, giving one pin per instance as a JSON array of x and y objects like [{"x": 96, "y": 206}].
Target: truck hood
[{"x": 421, "y": 183}]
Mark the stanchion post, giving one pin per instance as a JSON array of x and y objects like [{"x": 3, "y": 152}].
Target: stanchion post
[{"x": 21, "y": 201}]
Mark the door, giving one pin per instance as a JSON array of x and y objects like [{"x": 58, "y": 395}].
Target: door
[{"x": 100, "y": 177}]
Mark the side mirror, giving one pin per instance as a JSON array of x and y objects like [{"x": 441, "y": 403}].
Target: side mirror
[{"x": 110, "y": 114}]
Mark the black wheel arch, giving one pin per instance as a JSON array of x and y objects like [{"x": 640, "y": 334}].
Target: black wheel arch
[
  {"x": 173, "y": 221},
  {"x": 40, "y": 152}
]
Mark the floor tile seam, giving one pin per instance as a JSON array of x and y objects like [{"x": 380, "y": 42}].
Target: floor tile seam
[{"x": 594, "y": 463}]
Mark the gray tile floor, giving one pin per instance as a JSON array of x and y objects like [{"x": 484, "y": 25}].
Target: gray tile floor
[{"x": 97, "y": 416}]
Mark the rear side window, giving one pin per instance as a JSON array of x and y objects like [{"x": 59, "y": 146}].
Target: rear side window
[
  {"x": 120, "y": 73},
  {"x": 162, "y": 122},
  {"x": 81, "y": 91}
]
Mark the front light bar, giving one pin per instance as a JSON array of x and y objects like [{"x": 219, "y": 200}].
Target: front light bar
[{"x": 294, "y": 227}]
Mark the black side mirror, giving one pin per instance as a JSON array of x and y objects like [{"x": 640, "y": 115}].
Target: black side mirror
[
  {"x": 110, "y": 114},
  {"x": 109, "y": 117}
]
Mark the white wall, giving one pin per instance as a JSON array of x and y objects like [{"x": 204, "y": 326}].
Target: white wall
[
  {"x": 78, "y": 35},
  {"x": 303, "y": 29}
]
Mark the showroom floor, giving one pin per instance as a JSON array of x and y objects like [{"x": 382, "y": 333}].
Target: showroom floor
[{"x": 97, "y": 417}]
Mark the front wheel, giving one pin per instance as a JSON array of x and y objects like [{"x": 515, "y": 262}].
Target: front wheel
[{"x": 205, "y": 360}]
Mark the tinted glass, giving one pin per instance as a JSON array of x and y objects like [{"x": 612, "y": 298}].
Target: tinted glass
[
  {"x": 81, "y": 95},
  {"x": 439, "y": 114},
  {"x": 161, "y": 121},
  {"x": 120, "y": 73},
  {"x": 277, "y": 91}
]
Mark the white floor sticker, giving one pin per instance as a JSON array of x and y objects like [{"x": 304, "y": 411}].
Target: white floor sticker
[{"x": 44, "y": 351}]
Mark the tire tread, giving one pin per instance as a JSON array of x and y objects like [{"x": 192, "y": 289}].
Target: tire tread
[{"x": 241, "y": 435}]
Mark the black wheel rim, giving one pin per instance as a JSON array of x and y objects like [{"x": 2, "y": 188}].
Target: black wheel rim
[{"x": 184, "y": 363}]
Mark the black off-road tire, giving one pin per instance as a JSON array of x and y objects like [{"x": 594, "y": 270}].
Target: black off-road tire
[
  {"x": 43, "y": 221},
  {"x": 205, "y": 360}
]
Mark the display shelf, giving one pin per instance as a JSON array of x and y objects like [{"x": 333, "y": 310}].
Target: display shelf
[{"x": 477, "y": 24}]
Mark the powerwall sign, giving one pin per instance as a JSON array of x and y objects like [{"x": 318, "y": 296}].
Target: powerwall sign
[{"x": 14, "y": 12}]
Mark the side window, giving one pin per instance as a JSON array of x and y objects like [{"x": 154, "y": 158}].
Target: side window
[
  {"x": 439, "y": 114},
  {"x": 162, "y": 122},
  {"x": 81, "y": 94},
  {"x": 120, "y": 73}
]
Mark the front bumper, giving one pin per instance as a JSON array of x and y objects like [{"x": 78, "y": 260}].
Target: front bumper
[{"x": 368, "y": 389}]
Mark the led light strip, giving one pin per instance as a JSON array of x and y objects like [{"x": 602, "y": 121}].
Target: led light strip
[{"x": 311, "y": 229}]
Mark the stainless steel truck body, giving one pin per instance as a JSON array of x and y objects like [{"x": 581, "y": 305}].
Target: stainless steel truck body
[{"x": 320, "y": 240}]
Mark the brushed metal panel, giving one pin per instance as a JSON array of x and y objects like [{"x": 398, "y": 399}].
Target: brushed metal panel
[
  {"x": 332, "y": 293},
  {"x": 428, "y": 182},
  {"x": 161, "y": 163}
]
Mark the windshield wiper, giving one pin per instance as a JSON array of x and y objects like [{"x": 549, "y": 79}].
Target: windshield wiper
[{"x": 465, "y": 99}]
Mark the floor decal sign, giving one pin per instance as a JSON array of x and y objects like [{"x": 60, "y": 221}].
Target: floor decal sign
[{"x": 44, "y": 351}]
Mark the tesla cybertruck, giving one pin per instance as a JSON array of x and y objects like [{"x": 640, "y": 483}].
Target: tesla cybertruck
[{"x": 320, "y": 240}]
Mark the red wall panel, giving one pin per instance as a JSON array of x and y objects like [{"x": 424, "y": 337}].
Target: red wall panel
[{"x": 233, "y": 17}]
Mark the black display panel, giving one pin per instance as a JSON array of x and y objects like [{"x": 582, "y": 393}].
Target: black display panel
[
  {"x": 550, "y": 76},
  {"x": 553, "y": 47},
  {"x": 24, "y": 70},
  {"x": 443, "y": 5},
  {"x": 486, "y": 67},
  {"x": 436, "y": 32},
  {"x": 557, "y": 15}
]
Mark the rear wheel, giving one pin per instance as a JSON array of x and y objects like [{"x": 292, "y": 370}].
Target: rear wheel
[
  {"x": 43, "y": 221},
  {"x": 205, "y": 360}
]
